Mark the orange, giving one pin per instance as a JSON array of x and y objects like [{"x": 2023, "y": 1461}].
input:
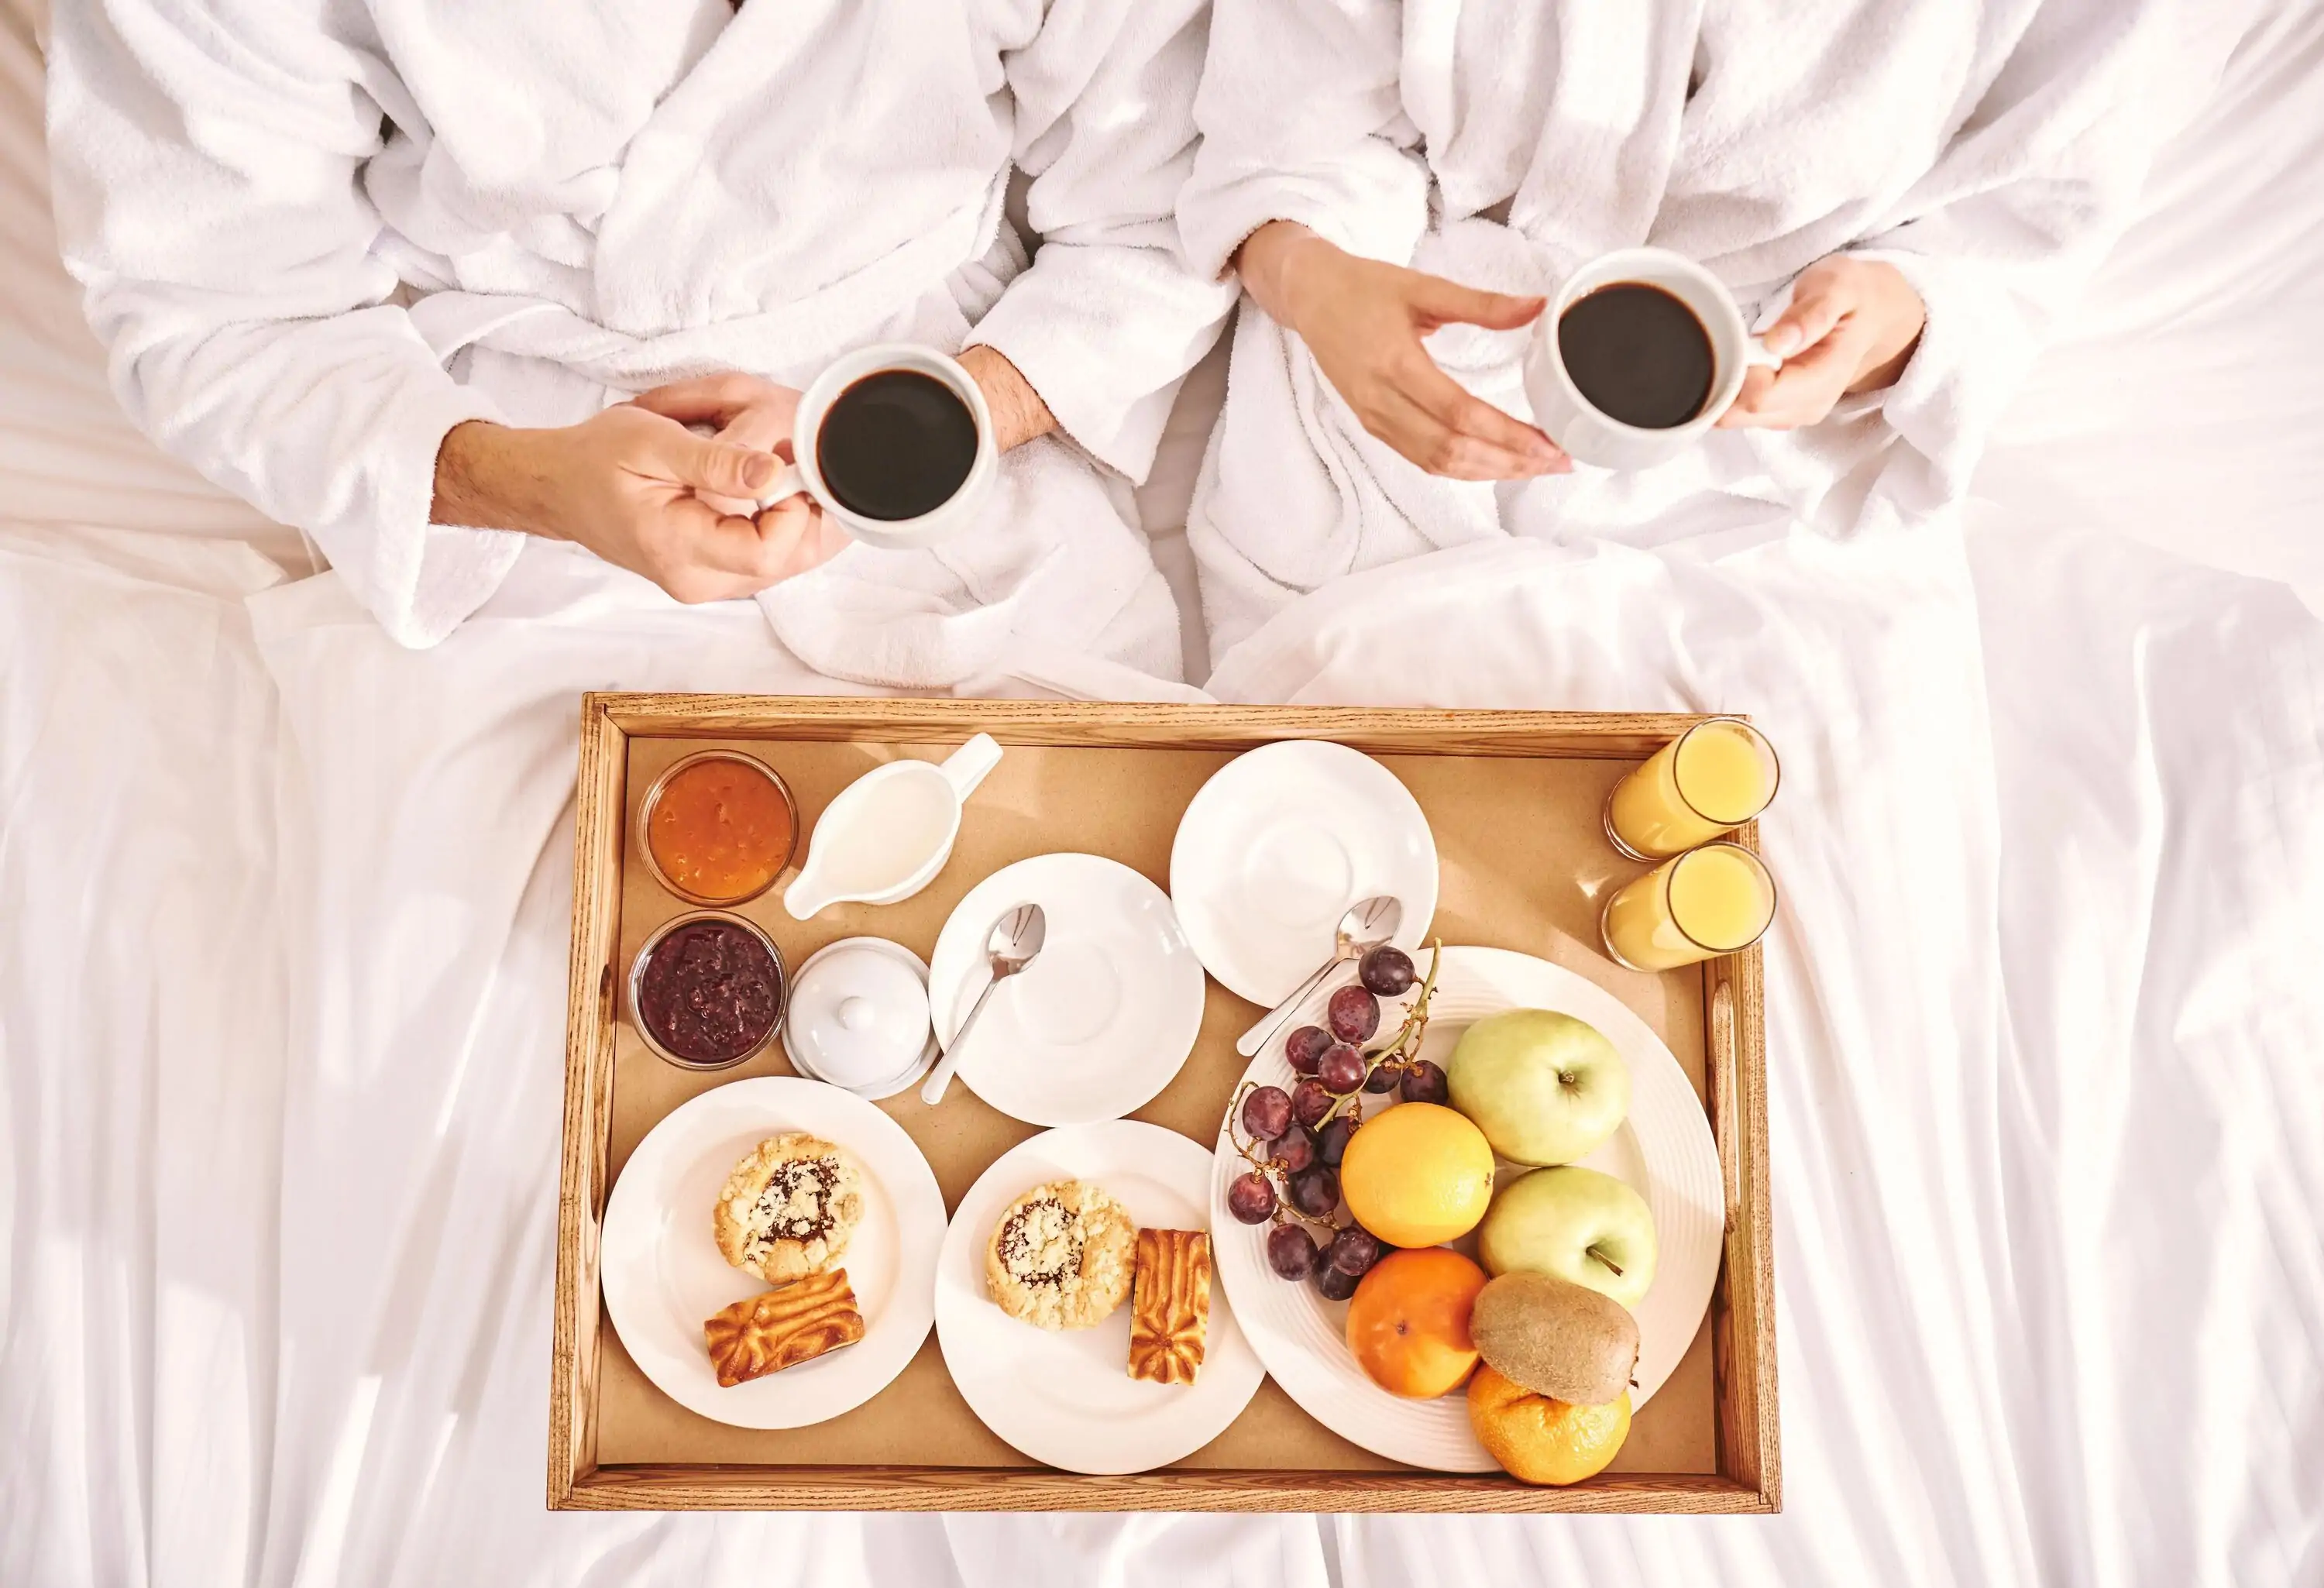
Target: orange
[
  {"x": 1408, "y": 1321},
  {"x": 1418, "y": 1175},
  {"x": 1542, "y": 1441}
]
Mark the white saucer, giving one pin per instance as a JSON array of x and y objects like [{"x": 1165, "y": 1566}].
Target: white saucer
[
  {"x": 1665, "y": 1151},
  {"x": 1100, "y": 1022},
  {"x": 1277, "y": 846},
  {"x": 664, "y": 1274},
  {"x": 1066, "y": 1397}
]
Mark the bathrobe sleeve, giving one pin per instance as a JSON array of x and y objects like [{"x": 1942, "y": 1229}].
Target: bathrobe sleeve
[
  {"x": 1302, "y": 119},
  {"x": 1110, "y": 317},
  {"x": 208, "y": 200},
  {"x": 2020, "y": 209}
]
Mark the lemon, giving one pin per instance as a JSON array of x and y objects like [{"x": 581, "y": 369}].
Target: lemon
[{"x": 1418, "y": 1175}]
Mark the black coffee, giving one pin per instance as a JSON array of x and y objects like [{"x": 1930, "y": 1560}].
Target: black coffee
[
  {"x": 1637, "y": 354},
  {"x": 896, "y": 444}
]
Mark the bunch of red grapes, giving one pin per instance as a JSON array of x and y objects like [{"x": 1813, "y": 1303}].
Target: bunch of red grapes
[{"x": 1297, "y": 1137}]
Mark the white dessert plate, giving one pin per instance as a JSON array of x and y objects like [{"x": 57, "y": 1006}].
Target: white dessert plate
[
  {"x": 1277, "y": 846},
  {"x": 1664, "y": 1149},
  {"x": 1102, "y": 1018},
  {"x": 664, "y": 1274},
  {"x": 1066, "y": 1397}
]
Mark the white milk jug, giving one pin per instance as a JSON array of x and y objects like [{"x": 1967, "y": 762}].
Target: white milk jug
[{"x": 887, "y": 834}]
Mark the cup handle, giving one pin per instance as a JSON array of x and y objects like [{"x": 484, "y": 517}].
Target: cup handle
[
  {"x": 1757, "y": 356},
  {"x": 965, "y": 767},
  {"x": 790, "y": 482}
]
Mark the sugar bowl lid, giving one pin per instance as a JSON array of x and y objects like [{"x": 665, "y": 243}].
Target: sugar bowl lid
[{"x": 859, "y": 1017}]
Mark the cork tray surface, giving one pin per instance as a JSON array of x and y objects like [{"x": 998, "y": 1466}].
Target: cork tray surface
[{"x": 1523, "y": 866}]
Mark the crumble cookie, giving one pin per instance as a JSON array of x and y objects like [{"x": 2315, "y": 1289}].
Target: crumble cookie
[
  {"x": 1060, "y": 1255},
  {"x": 789, "y": 1209}
]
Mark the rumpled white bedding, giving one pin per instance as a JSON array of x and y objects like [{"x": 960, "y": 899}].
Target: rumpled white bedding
[{"x": 282, "y": 925}]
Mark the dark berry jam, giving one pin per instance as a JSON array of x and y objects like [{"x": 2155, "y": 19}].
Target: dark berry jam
[{"x": 711, "y": 992}]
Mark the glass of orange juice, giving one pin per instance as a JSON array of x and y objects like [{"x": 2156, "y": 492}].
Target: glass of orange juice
[
  {"x": 1716, "y": 776},
  {"x": 1712, "y": 900}
]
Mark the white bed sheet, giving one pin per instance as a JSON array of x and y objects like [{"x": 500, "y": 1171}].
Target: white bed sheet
[
  {"x": 280, "y": 1207},
  {"x": 2183, "y": 407},
  {"x": 2043, "y": 1019}
]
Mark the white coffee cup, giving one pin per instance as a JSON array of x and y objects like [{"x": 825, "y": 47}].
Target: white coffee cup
[
  {"x": 1589, "y": 436},
  {"x": 903, "y": 534}
]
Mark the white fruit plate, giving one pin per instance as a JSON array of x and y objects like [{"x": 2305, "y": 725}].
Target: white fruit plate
[{"x": 1664, "y": 1150}]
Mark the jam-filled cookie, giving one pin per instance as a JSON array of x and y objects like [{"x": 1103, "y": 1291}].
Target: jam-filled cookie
[
  {"x": 788, "y": 1208},
  {"x": 1060, "y": 1258}
]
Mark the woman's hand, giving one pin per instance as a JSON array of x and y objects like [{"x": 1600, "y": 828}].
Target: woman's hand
[
  {"x": 1852, "y": 327},
  {"x": 1363, "y": 321}
]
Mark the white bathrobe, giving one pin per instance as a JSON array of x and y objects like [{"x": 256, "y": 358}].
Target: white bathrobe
[
  {"x": 1988, "y": 148},
  {"x": 317, "y": 237}
]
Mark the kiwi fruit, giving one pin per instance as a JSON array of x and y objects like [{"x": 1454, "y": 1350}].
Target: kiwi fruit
[{"x": 1555, "y": 1338}]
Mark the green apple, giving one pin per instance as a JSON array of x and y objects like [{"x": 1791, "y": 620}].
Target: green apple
[
  {"x": 1544, "y": 1086},
  {"x": 1580, "y": 1225}
]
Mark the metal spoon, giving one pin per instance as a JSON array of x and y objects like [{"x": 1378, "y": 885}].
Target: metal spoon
[
  {"x": 1015, "y": 938},
  {"x": 1368, "y": 923}
]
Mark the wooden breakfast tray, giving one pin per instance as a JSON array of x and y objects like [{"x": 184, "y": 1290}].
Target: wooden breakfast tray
[{"x": 1514, "y": 800}]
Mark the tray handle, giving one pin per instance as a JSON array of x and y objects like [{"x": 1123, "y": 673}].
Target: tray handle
[
  {"x": 593, "y": 1194},
  {"x": 1725, "y": 1063}
]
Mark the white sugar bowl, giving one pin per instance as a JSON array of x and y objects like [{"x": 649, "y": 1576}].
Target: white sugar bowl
[{"x": 859, "y": 1017}]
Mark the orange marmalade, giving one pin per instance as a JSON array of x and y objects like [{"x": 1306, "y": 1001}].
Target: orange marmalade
[{"x": 721, "y": 830}]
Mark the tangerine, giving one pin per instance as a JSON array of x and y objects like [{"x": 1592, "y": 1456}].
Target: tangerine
[
  {"x": 1408, "y": 1321},
  {"x": 1539, "y": 1440}
]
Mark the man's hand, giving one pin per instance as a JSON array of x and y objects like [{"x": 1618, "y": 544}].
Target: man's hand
[
  {"x": 1852, "y": 327},
  {"x": 628, "y": 484},
  {"x": 1019, "y": 414},
  {"x": 745, "y": 411},
  {"x": 756, "y": 413},
  {"x": 1364, "y": 321}
]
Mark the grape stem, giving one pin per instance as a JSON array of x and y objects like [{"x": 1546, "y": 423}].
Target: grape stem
[
  {"x": 1267, "y": 1165},
  {"x": 1398, "y": 1053}
]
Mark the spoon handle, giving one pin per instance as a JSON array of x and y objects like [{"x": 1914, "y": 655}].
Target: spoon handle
[
  {"x": 1252, "y": 1040},
  {"x": 939, "y": 1079}
]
